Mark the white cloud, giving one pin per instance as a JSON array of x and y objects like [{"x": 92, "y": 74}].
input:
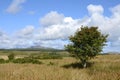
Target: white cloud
[
  {"x": 106, "y": 24},
  {"x": 67, "y": 25},
  {"x": 15, "y": 6},
  {"x": 51, "y": 18},
  {"x": 22, "y": 39},
  {"x": 109, "y": 25},
  {"x": 26, "y": 32},
  {"x": 59, "y": 44},
  {"x": 56, "y": 28},
  {"x": 4, "y": 40},
  {"x": 116, "y": 9},
  {"x": 95, "y": 9},
  {"x": 59, "y": 31},
  {"x": 68, "y": 20},
  {"x": 22, "y": 43}
]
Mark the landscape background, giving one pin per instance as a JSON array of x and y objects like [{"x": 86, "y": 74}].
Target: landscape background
[
  {"x": 26, "y": 23},
  {"x": 33, "y": 34}
]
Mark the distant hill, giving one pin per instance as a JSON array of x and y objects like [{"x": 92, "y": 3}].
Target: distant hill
[
  {"x": 34, "y": 48},
  {"x": 112, "y": 52}
]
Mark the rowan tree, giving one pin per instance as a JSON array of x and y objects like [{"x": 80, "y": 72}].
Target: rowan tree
[{"x": 86, "y": 43}]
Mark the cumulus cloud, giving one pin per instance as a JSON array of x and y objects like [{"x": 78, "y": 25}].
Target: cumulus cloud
[
  {"x": 56, "y": 28},
  {"x": 22, "y": 43},
  {"x": 59, "y": 44},
  {"x": 22, "y": 39},
  {"x": 51, "y": 18},
  {"x": 67, "y": 25},
  {"x": 116, "y": 9},
  {"x": 4, "y": 40},
  {"x": 15, "y": 6},
  {"x": 92, "y": 9},
  {"x": 26, "y": 32},
  {"x": 110, "y": 25}
]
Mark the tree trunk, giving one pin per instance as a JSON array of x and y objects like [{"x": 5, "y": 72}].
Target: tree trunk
[{"x": 84, "y": 63}]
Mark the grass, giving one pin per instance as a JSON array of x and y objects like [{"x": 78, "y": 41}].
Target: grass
[{"x": 104, "y": 67}]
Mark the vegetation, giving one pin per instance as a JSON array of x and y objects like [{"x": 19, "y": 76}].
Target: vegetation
[
  {"x": 86, "y": 43},
  {"x": 52, "y": 55},
  {"x": 26, "y": 60},
  {"x": 105, "y": 67},
  {"x": 3, "y": 61},
  {"x": 11, "y": 56},
  {"x": 29, "y": 58}
]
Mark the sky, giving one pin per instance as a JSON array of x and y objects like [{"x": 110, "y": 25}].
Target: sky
[{"x": 49, "y": 23}]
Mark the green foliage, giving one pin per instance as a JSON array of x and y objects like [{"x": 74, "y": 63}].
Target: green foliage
[
  {"x": 26, "y": 60},
  {"x": 11, "y": 56},
  {"x": 3, "y": 61},
  {"x": 20, "y": 60},
  {"x": 86, "y": 43},
  {"x": 51, "y": 63},
  {"x": 52, "y": 55}
]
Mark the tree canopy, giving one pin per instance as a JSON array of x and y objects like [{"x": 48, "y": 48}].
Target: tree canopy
[{"x": 86, "y": 43}]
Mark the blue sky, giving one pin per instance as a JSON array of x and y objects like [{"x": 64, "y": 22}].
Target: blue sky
[{"x": 46, "y": 23}]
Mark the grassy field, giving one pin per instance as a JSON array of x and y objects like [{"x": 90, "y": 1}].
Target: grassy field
[{"x": 104, "y": 67}]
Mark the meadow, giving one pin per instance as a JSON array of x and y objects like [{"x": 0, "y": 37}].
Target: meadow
[{"x": 102, "y": 67}]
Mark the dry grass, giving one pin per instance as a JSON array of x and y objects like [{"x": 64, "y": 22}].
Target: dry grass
[{"x": 105, "y": 67}]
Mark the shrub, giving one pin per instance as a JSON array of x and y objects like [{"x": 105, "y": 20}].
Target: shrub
[
  {"x": 51, "y": 63},
  {"x": 26, "y": 60},
  {"x": 11, "y": 56},
  {"x": 46, "y": 56},
  {"x": 3, "y": 61},
  {"x": 51, "y": 56},
  {"x": 34, "y": 61}
]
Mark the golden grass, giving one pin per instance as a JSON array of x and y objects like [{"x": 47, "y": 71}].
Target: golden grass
[
  {"x": 105, "y": 67},
  {"x": 3, "y": 57}
]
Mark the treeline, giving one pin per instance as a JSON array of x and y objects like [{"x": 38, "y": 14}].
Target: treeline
[{"x": 33, "y": 49}]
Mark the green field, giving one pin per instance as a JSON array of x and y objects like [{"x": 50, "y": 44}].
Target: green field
[{"x": 103, "y": 67}]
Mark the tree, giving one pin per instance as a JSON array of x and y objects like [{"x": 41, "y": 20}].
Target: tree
[
  {"x": 11, "y": 56},
  {"x": 86, "y": 43}
]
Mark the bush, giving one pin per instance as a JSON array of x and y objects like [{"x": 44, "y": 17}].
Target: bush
[
  {"x": 50, "y": 56},
  {"x": 11, "y": 56},
  {"x": 26, "y": 60},
  {"x": 51, "y": 63},
  {"x": 46, "y": 56},
  {"x": 3, "y": 61},
  {"x": 36, "y": 61}
]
